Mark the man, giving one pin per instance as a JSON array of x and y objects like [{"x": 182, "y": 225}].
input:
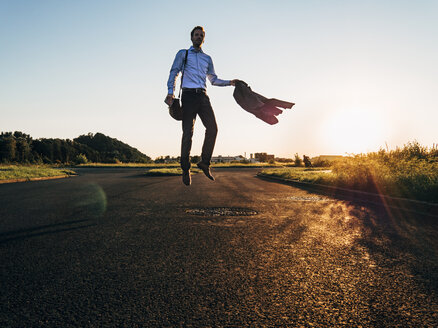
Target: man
[{"x": 195, "y": 101}]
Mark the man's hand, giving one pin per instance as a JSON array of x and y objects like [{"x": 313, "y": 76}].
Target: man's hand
[
  {"x": 233, "y": 82},
  {"x": 169, "y": 100}
]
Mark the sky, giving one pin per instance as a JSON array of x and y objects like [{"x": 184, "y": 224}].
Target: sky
[{"x": 363, "y": 74}]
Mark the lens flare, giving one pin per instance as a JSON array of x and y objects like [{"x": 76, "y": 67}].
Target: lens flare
[{"x": 93, "y": 200}]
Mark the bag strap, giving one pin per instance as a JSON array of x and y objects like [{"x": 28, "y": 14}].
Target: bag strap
[{"x": 182, "y": 77}]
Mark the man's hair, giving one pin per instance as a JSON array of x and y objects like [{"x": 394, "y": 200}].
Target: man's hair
[{"x": 196, "y": 28}]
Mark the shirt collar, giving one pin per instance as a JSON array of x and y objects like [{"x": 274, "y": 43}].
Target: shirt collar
[{"x": 193, "y": 49}]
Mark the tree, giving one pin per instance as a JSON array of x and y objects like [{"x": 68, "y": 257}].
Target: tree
[
  {"x": 20, "y": 147},
  {"x": 81, "y": 159},
  {"x": 195, "y": 159},
  {"x": 307, "y": 162},
  {"x": 110, "y": 149},
  {"x": 8, "y": 148},
  {"x": 44, "y": 148},
  {"x": 23, "y": 153},
  {"x": 298, "y": 161}
]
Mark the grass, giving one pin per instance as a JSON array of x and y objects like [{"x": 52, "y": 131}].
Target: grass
[
  {"x": 140, "y": 165},
  {"x": 311, "y": 175},
  {"x": 168, "y": 172},
  {"x": 18, "y": 172},
  {"x": 244, "y": 165},
  {"x": 414, "y": 178},
  {"x": 409, "y": 172},
  {"x": 176, "y": 165}
]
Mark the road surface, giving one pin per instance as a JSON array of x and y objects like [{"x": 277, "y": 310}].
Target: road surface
[{"x": 114, "y": 248}]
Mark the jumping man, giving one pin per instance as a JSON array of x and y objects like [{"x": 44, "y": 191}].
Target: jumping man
[{"x": 195, "y": 101}]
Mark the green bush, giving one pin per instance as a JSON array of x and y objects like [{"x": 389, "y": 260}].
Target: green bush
[
  {"x": 298, "y": 161},
  {"x": 81, "y": 159},
  {"x": 321, "y": 163}
]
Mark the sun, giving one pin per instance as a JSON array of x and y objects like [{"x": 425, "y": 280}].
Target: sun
[{"x": 354, "y": 131}]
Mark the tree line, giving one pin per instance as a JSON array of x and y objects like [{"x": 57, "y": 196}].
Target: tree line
[{"x": 18, "y": 147}]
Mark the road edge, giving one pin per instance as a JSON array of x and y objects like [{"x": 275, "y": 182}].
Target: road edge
[
  {"x": 36, "y": 179},
  {"x": 420, "y": 207}
]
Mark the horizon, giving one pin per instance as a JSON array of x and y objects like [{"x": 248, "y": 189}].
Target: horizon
[
  {"x": 363, "y": 75},
  {"x": 244, "y": 155}
]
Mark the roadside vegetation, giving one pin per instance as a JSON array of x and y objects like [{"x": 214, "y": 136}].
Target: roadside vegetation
[
  {"x": 311, "y": 175},
  {"x": 177, "y": 165},
  {"x": 18, "y": 147},
  {"x": 410, "y": 172},
  {"x": 243, "y": 165},
  {"x": 134, "y": 165},
  {"x": 14, "y": 172},
  {"x": 168, "y": 172}
]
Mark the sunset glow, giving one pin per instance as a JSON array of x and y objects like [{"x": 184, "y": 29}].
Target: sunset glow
[{"x": 355, "y": 131}]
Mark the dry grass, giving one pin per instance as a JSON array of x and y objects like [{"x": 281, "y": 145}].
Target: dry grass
[
  {"x": 16, "y": 172},
  {"x": 410, "y": 172}
]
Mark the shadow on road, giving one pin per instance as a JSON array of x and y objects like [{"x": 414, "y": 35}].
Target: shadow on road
[
  {"x": 398, "y": 239},
  {"x": 21, "y": 234},
  {"x": 397, "y": 235}
]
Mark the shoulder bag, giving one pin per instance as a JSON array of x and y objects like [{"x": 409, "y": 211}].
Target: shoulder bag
[{"x": 175, "y": 110}]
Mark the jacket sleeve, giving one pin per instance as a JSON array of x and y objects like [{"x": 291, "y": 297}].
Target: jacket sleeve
[
  {"x": 174, "y": 71},
  {"x": 214, "y": 80}
]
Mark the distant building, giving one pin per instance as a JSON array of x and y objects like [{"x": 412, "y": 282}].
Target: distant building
[
  {"x": 252, "y": 159},
  {"x": 227, "y": 159},
  {"x": 263, "y": 157}
]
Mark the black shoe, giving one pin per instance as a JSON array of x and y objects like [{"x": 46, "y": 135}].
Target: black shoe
[
  {"x": 187, "y": 180},
  {"x": 206, "y": 169}
]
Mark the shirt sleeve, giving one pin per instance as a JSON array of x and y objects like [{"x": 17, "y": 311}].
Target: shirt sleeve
[
  {"x": 214, "y": 80},
  {"x": 174, "y": 71}
]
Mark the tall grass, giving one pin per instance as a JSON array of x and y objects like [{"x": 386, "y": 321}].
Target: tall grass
[
  {"x": 410, "y": 172},
  {"x": 311, "y": 175}
]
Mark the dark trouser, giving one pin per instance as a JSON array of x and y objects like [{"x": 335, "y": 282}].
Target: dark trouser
[{"x": 197, "y": 104}]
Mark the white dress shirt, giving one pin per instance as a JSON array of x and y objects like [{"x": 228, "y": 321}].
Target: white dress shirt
[{"x": 199, "y": 66}]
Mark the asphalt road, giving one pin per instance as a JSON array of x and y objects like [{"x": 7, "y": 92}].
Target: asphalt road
[{"x": 114, "y": 248}]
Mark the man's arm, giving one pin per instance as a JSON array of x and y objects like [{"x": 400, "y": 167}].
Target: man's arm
[
  {"x": 214, "y": 80},
  {"x": 174, "y": 71}
]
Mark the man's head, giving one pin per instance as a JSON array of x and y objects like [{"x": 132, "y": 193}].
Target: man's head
[{"x": 197, "y": 36}]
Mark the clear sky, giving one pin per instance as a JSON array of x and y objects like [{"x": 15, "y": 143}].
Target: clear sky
[{"x": 362, "y": 73}]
